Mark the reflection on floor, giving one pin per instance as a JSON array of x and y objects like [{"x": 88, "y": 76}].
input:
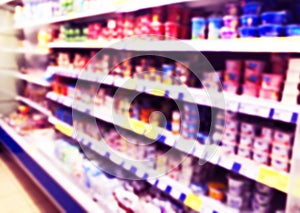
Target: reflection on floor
[{"x": 17, "y": 191}]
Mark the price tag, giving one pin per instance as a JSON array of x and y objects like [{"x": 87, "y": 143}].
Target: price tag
[
  {"x": 64, "y": 128},
  {"x": 282, "y": 182},
  {"x": 151, "y": 132},
  {"x": 226, "y": 162},
  {"x": 282, "y": 115},
  {"x": 137, "y": 126},
  {"x": 157, "y": 91},
  {"x": 267, "y": 176},
  {"x": 193, "y": 201},
  {"x": 255, "y": 110},
  {"x": 201, "y": 99},
  {"x": 130, "y": 84}
]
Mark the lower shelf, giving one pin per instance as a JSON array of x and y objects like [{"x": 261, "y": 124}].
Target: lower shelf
[{"x": 52, "y": 180}]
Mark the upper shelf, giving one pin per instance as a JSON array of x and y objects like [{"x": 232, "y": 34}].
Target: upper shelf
[
  {"x": 283, "y": 44},
  {"x": 109, "y": 7}
]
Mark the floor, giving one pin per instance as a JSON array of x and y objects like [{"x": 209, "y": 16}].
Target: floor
[{"x": 17, "y": 191}]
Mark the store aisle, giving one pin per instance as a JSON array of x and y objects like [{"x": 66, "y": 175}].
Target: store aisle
[{"x": 17, "y": 192}]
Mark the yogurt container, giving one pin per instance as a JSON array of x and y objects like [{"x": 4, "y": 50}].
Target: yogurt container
[
  {"x": 228, "y": 33},
  {"x": 271, "y": 30},
  {"x": 261, "y": 157},
  {"x": 274, "y": 17},
  {"x": 263, "y": 189},
  {"x": 246, "y": 141},
  {"x": 231, "y": 21},
  {"x": 281, "y": 151},
  {"x": 236, "y": 202},
  {"x": 214, "y": 26},
  {"x": 236, "y": 184},
  {"x": 232, "y": 9},
  {"x": 292, "y": 30},
  {"x": 262, "y": 199},
  {"x": 228, "y": 148},
  {"x": 198, "y": 28},
  {"x": 269, "y": 94},
  {"x": 249, "y": 20},
  {"x": 231, "y": 87},
  {"x": 266, "y": 133},
  {"x": 271, "y": 81},
  {"x": 252, "y": 8},
  {"x": 283, "y": 137},
  {"x": 231, "y": 125},
  {"x": 247, "y": 129},
  {"x": 280, "y": 164},
  {"x": 216, "y": 190},
  {"x": 234, "y": 66},
  {"x": 244, "y": 152},
  {"x": 248, "y": 32},
  {"x": 261, "y": 145},
  {"x": 229, "y": 135},
  {"x": 260, "y": 208}
]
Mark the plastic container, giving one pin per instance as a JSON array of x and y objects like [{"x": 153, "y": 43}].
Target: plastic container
[
  {"x": 292, "y": 30},
  {"x": 198, "y": 28},
  {"x": 247, "y": 129},
  {"x": 260, "y": 208},
  {"x": 283, "y": 137},
  {"x": 216, "y": 190},
  {"x": 231, "y": 87},
  {"x": 249, "y": 20},
  {"x": 235, "y": 202},
  {"x": 244, "y": 152},
  {"x": 266, "y": 133},
  {"x": 248, "y": 32},
  {"x": 269, "y": 94},
  {"x": 171, "y": 30},
  {"x": 246, "y": 141},
  {"x": 281, "y": 151},
  {"x": 261, "y": 157},
  {"x": 261, "y": 145},
  {"x": 263, "y": 188},
  {"x": 280, "y": 164},
  {"x": 255, "y": 65},
  {"x": 262, "y": 199},
  {"x": 214, "y": 26},
  {"x": 252, "y": 8},
  {"x": 236, "y": 185},
  {"x": 229, "y": 135},
  {"x": 231, "y": 21},
  {"x": 232, "y": 125},
  {"x": 271, "y": 30},
  {"x": 232, "y": 9},
  {"x": 233, "y": 66},
  {"x": 228, "y": 147},
  {"x": 271, "y": 81},
  {"x": 273, "y": 17}
]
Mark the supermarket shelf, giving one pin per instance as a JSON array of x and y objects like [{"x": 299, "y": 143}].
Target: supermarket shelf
[
  {"x": 211, "y": 153},
  {"x": 34, "y": 105},
  {"x": 111, "y": 7},
  {"x": 28, "y": 51},
  {"x": 49, "y": 176},
  {"x": 283, "y": 44},
  {"x": 35, "y": 79},
  {"x": 236, "y": 103},
  {"x": 171, "y": 187}
]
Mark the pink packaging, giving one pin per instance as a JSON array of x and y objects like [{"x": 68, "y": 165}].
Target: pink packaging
[
  {"x": 246, "y": 141},
  {"x": 283, "y": 137},
  {"x": 269, "y": 94},
  {"x": 230, "y": 86},
  {"x": 250, "y": 90},
  {"x": 234, "y": 66},
  {"x": 232, "y": 125},
  {"x": 228, "y": 148},
  {"x": 247, "y": 128},
  {"x": 244, "y": 152},
  {"x": 281, "y": 151},
  {"x": 229, "y": 135},
  {"x": 271, "y": 81},
  {"x": 228, "y": 33},
  {"x": 261, "y": 157},
  {"x": 280, "y": 164},
  {"x": 256, "y": 67},
  {"x": 261, "y": 145},
  {"x": 231, "y": 21},
  {"x": 267, "y": 133}
]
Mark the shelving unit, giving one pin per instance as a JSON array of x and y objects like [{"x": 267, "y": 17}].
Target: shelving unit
[{"x": 67, "y": 195}]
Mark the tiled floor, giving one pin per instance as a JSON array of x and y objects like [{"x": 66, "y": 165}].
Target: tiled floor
[{"x": 17, "y": 191}]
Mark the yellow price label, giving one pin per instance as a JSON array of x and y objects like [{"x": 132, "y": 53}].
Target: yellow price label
[
  {"x": 193, "y": 201},
  {"x": 137, "y": 126},
  {"x": 119, "y": 2},
  {"x": 273, "y": 178},
  {"x": 282, "y": 182},
  {"x": 130, "y": 84},
  {"x": 65, "y": 129},
  {"x": 158, "y": 91},
  {"x": 151, "y": 132}
]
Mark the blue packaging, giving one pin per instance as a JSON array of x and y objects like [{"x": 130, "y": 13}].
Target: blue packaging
[
  {"x": 168, "y": 68},
  {"x": 250, "y": 20},
  {"x": 252, "y": 8},
  {"x": 292, "y": 30},
  {"x": 271, "y": 30},
  {"x": 281, "y": 17},
  {"x": 214, "y": 26},
  {"x": 248, "y": 32},
  {"x": 198, "y": 28}
]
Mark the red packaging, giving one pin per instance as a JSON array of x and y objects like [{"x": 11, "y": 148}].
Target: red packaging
[{"x": 171, "y": 30}]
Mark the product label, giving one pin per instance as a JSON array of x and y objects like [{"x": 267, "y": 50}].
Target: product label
[{"x": 193, "y": 201}]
